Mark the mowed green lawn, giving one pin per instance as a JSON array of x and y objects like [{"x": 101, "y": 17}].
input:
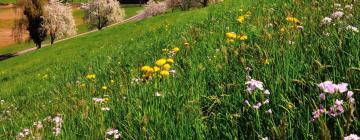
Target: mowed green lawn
[
  {"x": 283, "y": 44},
  {"x": 81, "y": 26}
]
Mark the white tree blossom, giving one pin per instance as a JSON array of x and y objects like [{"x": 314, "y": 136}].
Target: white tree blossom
[
  {"x": 153, "y": 8},
  {"x": 100, "y": 13},
  {"x": 59, "y": 20}
]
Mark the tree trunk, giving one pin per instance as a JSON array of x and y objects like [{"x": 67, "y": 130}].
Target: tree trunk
[
  {"x": 53, "y": 36},
  {"x": 38, "y": 45},
  {"x": 205, "y": 3}
]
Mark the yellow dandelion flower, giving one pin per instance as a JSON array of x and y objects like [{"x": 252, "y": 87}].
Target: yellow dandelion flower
[
  {"x": 170, "y": 60},
  {"x": 231, "y": 35},
  {"x": 106, "y": 99},
  {"x": 160, "y": 62},
  {"x": 241, "y": 19},
  {"x": 91, "y": 76},
  {"x": 243, "y": 37},
  {"x": 282, "y": 30},
  {"x": 151, "y": 70},
  {"x": 156, "y": 68},
  {"x": 290, "y": 106},
  {"x": 266, "y": 61},
  {"x": 104, "y": 87},
  {"x": 292, "y": 19},
  {"x": 176, "y": 49},
  {"x": 164, "y": 73},
  {"x": 145, "y": 68},
  {"x": 167, "y": 67}
]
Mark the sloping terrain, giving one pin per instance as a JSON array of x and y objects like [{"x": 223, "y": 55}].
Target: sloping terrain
[{"x": 237, "y": 70}]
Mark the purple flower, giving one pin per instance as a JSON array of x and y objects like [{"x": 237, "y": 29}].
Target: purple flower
[
  {"x": 253, "y": 84},
  {"x": 342, "y": 87},
  {"x": 246, "y": 102},
  {"x": 328, "y": 87},
  {"x": 337, "y": 109},
  {"x": 338, "y": 102},
  {"x": 257, "y": 106},
  {"x": 352, "y": 137},
  {"x": 322, "y": 96},
  {"x": 349, "y": 94},
  {"x": 337, "y": 14},
  {"x": 316, "y": 114},
  {"x": 269, "y": 111}
]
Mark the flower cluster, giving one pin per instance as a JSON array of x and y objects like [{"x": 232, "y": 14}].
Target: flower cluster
[
  {"x": 336, "y": 91},
  {"x": 338, "y": 14},
  {"x": 112, "y": 133},
  {"x": 293, "y": 20},
  {"x": 23, "y": 134},
  {"x": 252, "y": 87},
  {"x": 232, "y": 37},
  {"x": 352, "y": 137},
  {"x": 100, "y": 100},
  {"x": 91, "y": 76},
  {"x": 58, "y": 124},
  {"x": 241, "y": 19},
  {"x": 162, "y": 68},
  {"x": 56, "y": 121}
]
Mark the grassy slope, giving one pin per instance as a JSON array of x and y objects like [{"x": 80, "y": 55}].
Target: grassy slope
[
  {"x": 81, "y": 28},
  {"x": 205, "y": 99},
  {"x": 62, "y": 57}
]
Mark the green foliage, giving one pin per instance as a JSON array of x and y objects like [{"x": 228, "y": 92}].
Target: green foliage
[{"x": 204, "y": 100}]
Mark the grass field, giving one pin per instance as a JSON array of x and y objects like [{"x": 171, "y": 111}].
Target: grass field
[{"x": 96, "y": 82}]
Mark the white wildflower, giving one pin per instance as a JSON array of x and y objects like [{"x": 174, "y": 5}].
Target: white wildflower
[
  {"x": 326, "y": 21},
  {"x": 113, "y": 132},
  {"x": 349, "y": 7},
  {"x": 105, "y": 109},
  {"x": 157, "y": 94},
  {"x": 337, "y": 14},
  {"x": 352, "y": 28}
]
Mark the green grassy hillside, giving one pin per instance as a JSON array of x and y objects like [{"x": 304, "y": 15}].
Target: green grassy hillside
[{"x": 283, "y": 44}]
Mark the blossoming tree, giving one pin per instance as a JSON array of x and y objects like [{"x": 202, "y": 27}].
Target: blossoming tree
[
  {"x": 59, "y": 20},
  {"x": 153, "y": 8},
  {"x": 100, "y": 13}
]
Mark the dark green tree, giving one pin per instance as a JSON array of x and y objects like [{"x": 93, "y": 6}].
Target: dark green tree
[{"x": 32, "y": 20}]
